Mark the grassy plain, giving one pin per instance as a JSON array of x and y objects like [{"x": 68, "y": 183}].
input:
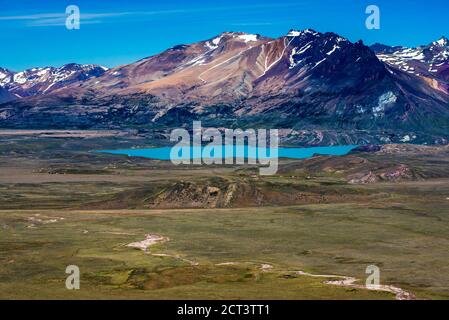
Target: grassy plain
[{"x": 61, "y": 204}]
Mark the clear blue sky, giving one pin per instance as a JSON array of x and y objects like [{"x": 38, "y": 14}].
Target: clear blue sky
[{"x": 33, "y": 33}]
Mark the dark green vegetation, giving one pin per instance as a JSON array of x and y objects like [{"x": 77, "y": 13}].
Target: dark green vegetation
[{"x": 309, "y": 217}]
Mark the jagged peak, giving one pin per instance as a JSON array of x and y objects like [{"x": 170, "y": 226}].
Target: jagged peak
[
  {"x": 5, "y": 70},
  {"x": 70, "y": 65},
  {"x": 298, "y": 33},
  {"x": 442, "y": 42}
]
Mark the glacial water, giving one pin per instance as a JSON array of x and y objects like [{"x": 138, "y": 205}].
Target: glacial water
[{"x": 246, "y": 152}]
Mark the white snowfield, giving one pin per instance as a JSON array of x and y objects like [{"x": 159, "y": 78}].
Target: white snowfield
[{"x": 248, "y": 37}]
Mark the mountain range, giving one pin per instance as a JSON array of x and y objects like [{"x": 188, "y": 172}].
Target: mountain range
[
  {"x": 40, "y": 81},
  {"x": 319, "y": 87}
]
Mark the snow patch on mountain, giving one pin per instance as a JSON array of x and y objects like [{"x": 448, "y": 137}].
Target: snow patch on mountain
[
  {"x": 385, "y": 100},
  {"x": 292, "y": 59},
  {"x": 319, "y": 62},
  {"x": 333, "y": 49},
  {"x": 248, "y": 37},
  {"x": 297, "y": 52},
  {"x": 213, "y": 44},
  {"x": 20, "y": 78}
]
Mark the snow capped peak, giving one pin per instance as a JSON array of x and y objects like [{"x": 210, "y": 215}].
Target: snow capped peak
[
  {"x": 248, "y": 37},
  {"x": 40, "y": 80},
  {"x": 297, "y": 33},
  {"x": 5, "y": 76},
  {"x": 293, "y": 33},
  {"x": 426, "y": 60},
  {"x": 442, "y": 42},
  {"x": 310, "y": 31},
  {"x": 215, "y": 42},
  {"x": 5, "y": 71}
]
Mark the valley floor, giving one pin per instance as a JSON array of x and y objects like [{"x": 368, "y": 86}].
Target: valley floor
[{"x": 61, "y": 205}]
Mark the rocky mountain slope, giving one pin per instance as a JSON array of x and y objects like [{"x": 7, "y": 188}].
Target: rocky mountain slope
[
  {"x": 5, "y": 96},
  {"x": 430, "y": 62},
  {"x": 305, "y": 81}
]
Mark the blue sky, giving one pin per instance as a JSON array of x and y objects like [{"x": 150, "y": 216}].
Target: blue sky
[{"x": 33, "y": 33}]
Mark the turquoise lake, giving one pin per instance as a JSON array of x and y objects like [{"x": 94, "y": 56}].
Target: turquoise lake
[{"x": 165, "y": 153}]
